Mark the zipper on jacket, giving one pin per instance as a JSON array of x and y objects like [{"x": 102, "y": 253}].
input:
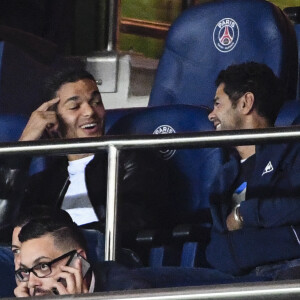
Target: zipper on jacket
[
  {"x": 63, "y": 191},
  {"x": 296, "y": 235}
]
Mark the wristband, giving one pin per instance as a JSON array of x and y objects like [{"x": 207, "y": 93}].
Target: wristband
[{"x": 236, "y": 214}]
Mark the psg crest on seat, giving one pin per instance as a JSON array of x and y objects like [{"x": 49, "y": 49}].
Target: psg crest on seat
[{"x": 226, "y": 35}]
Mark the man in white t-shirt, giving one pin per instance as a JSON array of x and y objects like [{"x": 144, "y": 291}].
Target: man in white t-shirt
[
  {"x": 78, "y": 184},
  {"x": 76, "y": 111}
]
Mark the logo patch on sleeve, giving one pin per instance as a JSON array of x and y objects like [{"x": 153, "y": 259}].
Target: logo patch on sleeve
[{"x": 269, "y": 168}]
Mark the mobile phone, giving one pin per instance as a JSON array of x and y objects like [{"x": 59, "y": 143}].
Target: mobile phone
[{"x": 85, "y": 266}]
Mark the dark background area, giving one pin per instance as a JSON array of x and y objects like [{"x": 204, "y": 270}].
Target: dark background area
[{"x": 78, "y": 27}]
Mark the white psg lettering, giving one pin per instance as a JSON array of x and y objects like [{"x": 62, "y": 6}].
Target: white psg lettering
[{"x": 227, "y": 22}]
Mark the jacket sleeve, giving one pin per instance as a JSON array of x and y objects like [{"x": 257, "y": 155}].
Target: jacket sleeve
[
  {"x": 278, "y": 202},
  {"x": 271, "y": 212},
  {"x": 13, "y": 178},
  {"x": 111, "y": 276}
]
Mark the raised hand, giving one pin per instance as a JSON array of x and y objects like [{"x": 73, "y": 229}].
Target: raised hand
[{"x": 43, "y": 118}]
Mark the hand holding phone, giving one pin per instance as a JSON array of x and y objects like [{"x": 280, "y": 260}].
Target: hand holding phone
[
  {"x": 76, "y": 286},
  {"x": 22, "y": 290},
  {"x": 85, "y": 265}
]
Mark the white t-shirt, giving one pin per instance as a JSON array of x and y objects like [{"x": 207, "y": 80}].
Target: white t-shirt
[{"x": 76, "y": 201}]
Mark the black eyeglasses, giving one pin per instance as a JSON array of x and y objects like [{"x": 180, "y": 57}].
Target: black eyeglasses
[{"x": 42, "y": 269}]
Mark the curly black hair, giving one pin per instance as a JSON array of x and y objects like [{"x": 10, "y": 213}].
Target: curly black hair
[{"x": 258, "y": 79}]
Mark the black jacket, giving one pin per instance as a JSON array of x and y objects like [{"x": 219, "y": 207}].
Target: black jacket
[
  {"x": 141, "y": 188},
  {"x": 110, "y": 276},
  {"x": 142, "y": 192}
]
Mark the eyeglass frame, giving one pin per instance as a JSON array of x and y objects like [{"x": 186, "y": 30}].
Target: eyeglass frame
[{"x": 49, "y": 264}]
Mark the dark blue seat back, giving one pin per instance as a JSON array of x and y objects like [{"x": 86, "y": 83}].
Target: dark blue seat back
[
  {"x": 7, "y": 272},
  {"x": 21, "y": 78},
  {"x": 288, "y": 113},
  {"x": 208, "y": 38},
  {"x": 11, "y": 128},
  {"x": 113, "y": 115},
  {"x": 297, "y": 29},
  {"x": 95, "y": 245},
  {"x": 191, "y": 170}
]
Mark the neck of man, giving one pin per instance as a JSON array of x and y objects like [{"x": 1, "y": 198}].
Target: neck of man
[
  {"x": 254, "y": 121},
  {"x": 78, "y": 156},
  {"x": 245, "y": 151}
]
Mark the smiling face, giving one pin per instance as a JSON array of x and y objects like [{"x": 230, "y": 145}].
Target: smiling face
[
  {"x": 36, "y": 251},
  {"x": 80, "y": 109},
  {"x": 225, "y": 115}
]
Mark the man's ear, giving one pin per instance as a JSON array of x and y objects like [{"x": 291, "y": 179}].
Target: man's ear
[
  {"x": 82, "y": 253},
  {"x": 246, "y": 103}
]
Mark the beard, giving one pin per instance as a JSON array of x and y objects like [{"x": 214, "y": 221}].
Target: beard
[{"x": 41, "y": 292}]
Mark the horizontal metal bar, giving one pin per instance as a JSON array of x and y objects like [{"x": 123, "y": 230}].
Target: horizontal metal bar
[
  {"x": 187, "y": 140},
  {"x": 267, "y": 290}
]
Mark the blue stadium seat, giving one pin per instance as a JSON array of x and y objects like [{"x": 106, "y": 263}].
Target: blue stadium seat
[
  {"x": 194, "y": 167},
  {"x": 191, "y": 171},
  {"x": 204, "y": 40},
  {"x": 95, "y": 245},
  {"x": 21, "y": 79},
  {"x": 297, "y": 29},
  {"x": 7, "y": 273},
  {"x": 25, "y": 62},
  {"x": 11, "y": 127},
  {"x": 208, "y": 38},
  {"x": 288, "y": 113},
  {"x": 113, "y": 115}
]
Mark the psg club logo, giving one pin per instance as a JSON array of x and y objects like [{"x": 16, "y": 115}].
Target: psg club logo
[
  {"x": 226, "y": 35},
  {"x": 165, "y": 129}
]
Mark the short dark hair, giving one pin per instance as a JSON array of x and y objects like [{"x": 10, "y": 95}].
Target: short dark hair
[
  {"x": 57, "y": 79},
  {"x": 66, "y": 234},
  {"x": 40, "y": 211},
  {"x": 258, "y": 79}
]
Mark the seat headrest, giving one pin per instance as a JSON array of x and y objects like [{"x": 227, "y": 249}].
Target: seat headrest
[
  {"x": 11, "y": 127},
  {"x": 208, "y": 38},
  {"x": 191, "y": 171},
  {"x": 163, "y": 119}
]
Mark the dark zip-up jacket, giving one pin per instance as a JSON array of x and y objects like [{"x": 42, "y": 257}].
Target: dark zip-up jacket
[
  {"x": 271, "y": 212},
  {"x": 142, "y": 189}
]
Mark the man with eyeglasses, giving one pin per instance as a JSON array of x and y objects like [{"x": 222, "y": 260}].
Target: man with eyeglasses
[{"x": 53, "y": 262}]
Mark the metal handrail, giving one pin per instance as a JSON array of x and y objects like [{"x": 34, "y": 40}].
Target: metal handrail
[
  {"x": 113, "y": 144},
  {"x": 239, "y": 291},
  {"x": 178, "y": 140}
]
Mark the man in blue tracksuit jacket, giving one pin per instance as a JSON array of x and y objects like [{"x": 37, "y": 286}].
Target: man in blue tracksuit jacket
[{"x": 255, "y": 199}]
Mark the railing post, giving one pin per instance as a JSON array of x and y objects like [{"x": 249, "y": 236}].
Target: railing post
[
  {"x": 111, "y": 203},
  {"x": 112, "y": 24}
]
